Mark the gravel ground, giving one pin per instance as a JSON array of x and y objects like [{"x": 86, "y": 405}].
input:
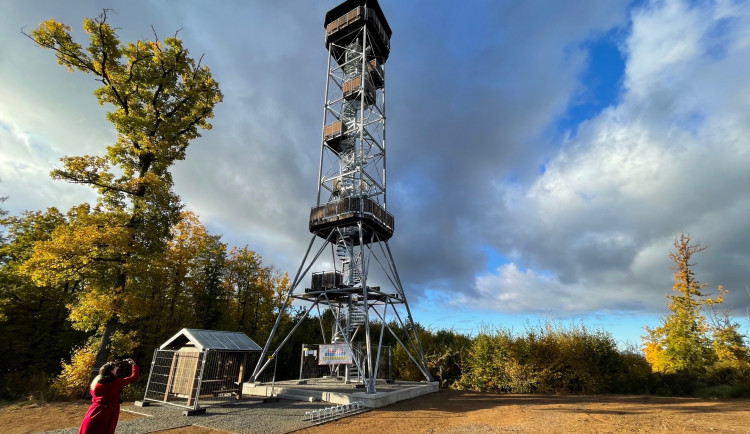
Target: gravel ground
[{"x": 248, "y": 416}]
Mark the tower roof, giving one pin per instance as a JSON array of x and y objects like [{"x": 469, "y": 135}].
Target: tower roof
[{"x": 348, "y": 5}]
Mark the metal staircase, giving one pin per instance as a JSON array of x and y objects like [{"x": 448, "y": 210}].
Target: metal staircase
[
  {"x": 349, "y": 321},
  {"x": 349, "y": 261},
  {"x": 356, "y": 319}
]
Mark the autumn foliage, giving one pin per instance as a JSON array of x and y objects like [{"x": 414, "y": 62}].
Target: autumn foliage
[
  {"x": 50, "y": 320},
  {"x": 159, "y": 99},
  {"x": 552, "y": 358},
  {"x": 698, "y": 343},
  {"x": 76, "y": 375}
]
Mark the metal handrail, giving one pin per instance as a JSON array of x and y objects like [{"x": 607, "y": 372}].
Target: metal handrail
[{"x": 351, "y": 206}]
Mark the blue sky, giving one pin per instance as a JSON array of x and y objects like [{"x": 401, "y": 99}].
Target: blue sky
[{"x": 543, "y": 155}]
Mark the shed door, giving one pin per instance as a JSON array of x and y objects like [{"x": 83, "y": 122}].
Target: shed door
[{"x": 185, "y": 371}]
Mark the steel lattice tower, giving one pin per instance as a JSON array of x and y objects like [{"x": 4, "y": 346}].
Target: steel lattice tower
[{"x": 350, "y": 216}]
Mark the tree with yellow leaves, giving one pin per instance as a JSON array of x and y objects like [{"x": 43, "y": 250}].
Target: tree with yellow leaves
[
  {"x": 682, "y": 342},
  {"x": 728, "y": 342},
  {"x": 255, "y": 292},
  {"x": 160, "y": 98}
]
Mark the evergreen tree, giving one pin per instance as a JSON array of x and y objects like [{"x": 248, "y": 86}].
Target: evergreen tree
[{"x": 682, "y": 342}]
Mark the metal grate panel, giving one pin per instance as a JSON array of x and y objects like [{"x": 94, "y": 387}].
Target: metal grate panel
[{"x": 189, "y": 378}]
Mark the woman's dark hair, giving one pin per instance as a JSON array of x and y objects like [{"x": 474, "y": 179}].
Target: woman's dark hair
[{"x": 106, "y": 373}]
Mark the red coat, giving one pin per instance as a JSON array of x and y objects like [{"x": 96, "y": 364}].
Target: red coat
[{"x": 105, "y": 405}]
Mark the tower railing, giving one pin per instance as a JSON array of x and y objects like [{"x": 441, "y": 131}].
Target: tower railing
[
  {"x": 353, "y": 17},
  {"x": 351, "y": 208}
]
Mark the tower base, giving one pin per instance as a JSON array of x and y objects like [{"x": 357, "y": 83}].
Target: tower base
[{"x": 335, "y": 391}]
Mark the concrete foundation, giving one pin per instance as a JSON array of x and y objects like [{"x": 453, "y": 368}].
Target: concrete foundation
[{"x": 335, "y": 391}]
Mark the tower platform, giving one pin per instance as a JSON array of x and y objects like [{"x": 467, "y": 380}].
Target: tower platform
[
  {"x": 336, "y": 391},
  {"x": 374, "y": 294},
  {"x": 327, "y": 217}
]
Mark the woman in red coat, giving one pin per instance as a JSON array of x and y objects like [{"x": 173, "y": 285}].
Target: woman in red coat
[{"x": 105, "y": 399}]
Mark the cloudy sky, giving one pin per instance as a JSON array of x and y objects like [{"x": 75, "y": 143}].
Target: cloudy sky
[{"x": 543, "y": 155}]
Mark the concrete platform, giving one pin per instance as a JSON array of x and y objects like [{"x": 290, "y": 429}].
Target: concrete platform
[{"x": 336, "y": 391}]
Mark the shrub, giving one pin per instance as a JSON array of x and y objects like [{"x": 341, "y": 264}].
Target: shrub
[
  {"x": 135, "y": 390},
  {"x": 444, "y": 351},
  {"x": 632, "y": 374},
  {"x": 678, "y": 384},
  {"x": 551, "y": 358},
  {"x": 75, "y": 377}
]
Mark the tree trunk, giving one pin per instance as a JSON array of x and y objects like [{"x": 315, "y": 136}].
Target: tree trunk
[{"x": 102, "y": 353}]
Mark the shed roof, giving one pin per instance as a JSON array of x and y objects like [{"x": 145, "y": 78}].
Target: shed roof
[{"x": 211, "y": 340}]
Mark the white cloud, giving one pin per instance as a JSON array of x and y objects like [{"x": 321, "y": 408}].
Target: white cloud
[
  {"x": 25, "y": 163},
  {"x": 662, "y": 38},
  {"x": 672, "y": 157}
]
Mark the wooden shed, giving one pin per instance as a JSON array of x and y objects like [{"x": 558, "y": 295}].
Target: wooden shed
[{"x": 197, "y": 368}]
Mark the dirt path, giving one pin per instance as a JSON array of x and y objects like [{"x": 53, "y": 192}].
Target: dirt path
[
  {"x": 450, "y": 411},
  {"x": 18, "y": 419}
]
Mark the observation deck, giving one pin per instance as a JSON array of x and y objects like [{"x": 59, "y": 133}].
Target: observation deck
[
  {"x": 349, "y": 212},
  {"x": 344, "y": 22}
]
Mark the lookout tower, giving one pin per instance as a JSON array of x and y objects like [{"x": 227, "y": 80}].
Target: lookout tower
[{"x": 350, "y": 219}]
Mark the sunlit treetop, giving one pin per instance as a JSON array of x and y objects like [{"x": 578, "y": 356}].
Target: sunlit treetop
[{"x": 162, "y": 97}]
